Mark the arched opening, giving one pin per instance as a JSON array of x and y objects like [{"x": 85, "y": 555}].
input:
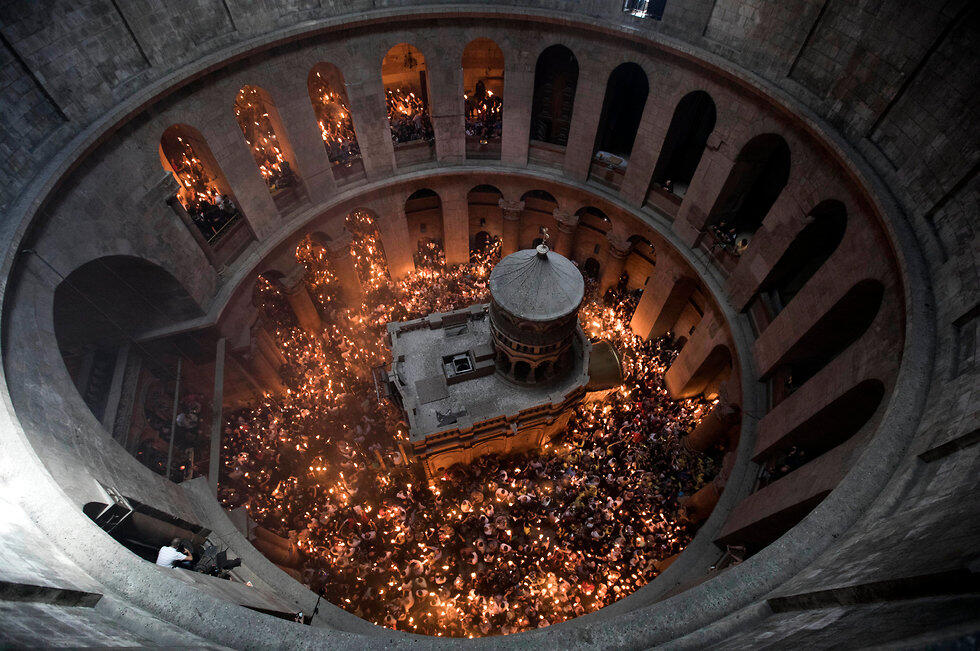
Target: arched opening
[
  {"x": 483, "y": 93},
  {"x": 594, "y": 219},
  {"x": 486, "y": 226},
  {"x": 842, "y": 325},
  {"x": 367, "y": 252},
  {"x": 423, "y": 212},
  {"x": 100, "y": 310},
  {"x": 692, "y": 123},
  {"x": 590, "y": 233},
  {"x": 555, "y": 79},
  {"x": 265, "y": 136},
  {"x": 328, "y": 93},
  {"x": 829, "y": 427},
  {"x": 521, "y": 371},
  {"x": 622, "y": 109},
  {"x": 758, "y": 176},
  {"x": 537, "y": 218},
  {"x": 405, "y": 80},
  {"x": 206, "y": 199}
]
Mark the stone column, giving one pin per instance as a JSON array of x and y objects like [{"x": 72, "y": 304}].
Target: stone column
[
  {"x": 705, "y": 187},
  {"x": 518, "y": 92},
  {"x": 647, "y": 321},
  {"x": 455, "y": 224},
  {"x": 564, "y": 242},
  {"x": 338, "y": 251},
  {"x": 698, "y": 507},
  {"x": 615, "y": 262},
  {"x": 650, "y": 136},
  {"x": 291, "y": 96},
  {"x": 446, "y": 107},
  {"x": 216, "y": 416},
  {"x": 116, "y": 388},
  {"x": 399, "y": 246},
  {"x": 512, "y": 225},
  {"x": 686, "y": 376},
  {"x": 589, "y": 94},
  {"x": 302, "y": 304},
  {"x": 714, "y": 426},
  {"x": 369, "y": 114}
]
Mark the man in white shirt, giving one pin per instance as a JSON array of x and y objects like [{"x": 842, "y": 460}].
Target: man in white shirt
[{"x": 173, "y": 557}]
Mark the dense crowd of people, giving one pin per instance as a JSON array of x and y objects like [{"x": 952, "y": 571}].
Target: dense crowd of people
[
  {"x": 408, "y": 117},
  {"x": 484, "y": 113},
  {"x": 503, "y": 545}
]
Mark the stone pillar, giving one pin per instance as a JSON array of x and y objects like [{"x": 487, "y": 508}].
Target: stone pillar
[
  {"x": 705, "y": 187},
  {"x": 369, "y": 114},
  {"x": 646, "y": 149},
  {"x": 399, "y": 246},
  {"x": 589, "y": 94},
  {"x": 567, "y": 228},
  {"x": 216, "y": 416},
  {"x": 615, "y": 262},
  {"x": 116, "y": 388},
  {"x": 338, "y": 251},
  {"x": 455, "y": 224},
  {"x": 512, "y": 225},
  {"x": 698, "y": 507},
  {"x": 518, "y": 92},
  {"x": 445, "y": 76},
  {"x": 302, "y": 304},
  {"x": 714, "y": 426},
  {"x": 689, "y": 374},
  {"x": 656, "y": 313},
  {"x": 195, "y": 232},
  {"x": 291, "y": 97}
]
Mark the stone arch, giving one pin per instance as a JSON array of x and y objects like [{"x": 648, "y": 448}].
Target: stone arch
[
  {"x": 483, "y": 94},
  {"x": 757, "y": 178},
  {"x": 103, "y": 306},
  {"x": 267, "y": 140},
  {"x": 829, "y": 336},
  {"x": 328, "y": 94},
  {"x": 687, "y": 136},
  {"x": 805, "y": 255},
  {"x": 405, "y": 79},
  {"x": 555, "y": 82},
  {"x": 591, "y": 268}
]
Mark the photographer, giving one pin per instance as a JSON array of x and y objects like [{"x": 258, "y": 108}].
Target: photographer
[{"x": 176, "y": 555}]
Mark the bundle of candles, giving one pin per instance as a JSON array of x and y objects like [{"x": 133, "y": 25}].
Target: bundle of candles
[
  {"x": 503, "y": 545},
  {"x": 484, "y": 113},
  {"x": 253, "y": 118},
  {"x": 197, "y": 188},
  {"x": 336, "y": 125},
  {"x": 408, "y": 116}
]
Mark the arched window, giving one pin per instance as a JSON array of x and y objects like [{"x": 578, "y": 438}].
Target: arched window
[
  {"x": 405, "y": 80},
  {"x": 204, "y": 192},
  {"x": 483, "y": 93},
  {"x": 808, "y": 251},
  {"x": 555, "y": 79},
  {"x": 692, "y": 123},
  {"x": 758, "y": 176},
  {"x": 367, "y": 251},
  {"x": 328, "y": 93},
  {"x": 423, "y": 212},
  {"x": 265, "y": 136},
  {"x": 593, "y": 219},
  {"x": 622, "y": 109},
  {"x": 842, "y": 325}
]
